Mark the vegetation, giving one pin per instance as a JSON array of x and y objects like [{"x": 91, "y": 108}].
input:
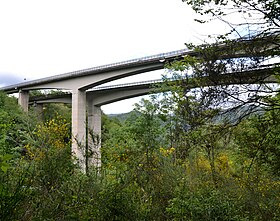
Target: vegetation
[
  {"x": 154, "y": 168},
  {"x": 209, "y": 149}
]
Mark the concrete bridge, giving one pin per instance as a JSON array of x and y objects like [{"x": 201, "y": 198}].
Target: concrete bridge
[
  {"x": 78, "y": 82},
  {"x": 87, "y": 101}
]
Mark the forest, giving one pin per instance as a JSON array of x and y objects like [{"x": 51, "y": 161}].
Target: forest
[{"x": 204, "y": 146}]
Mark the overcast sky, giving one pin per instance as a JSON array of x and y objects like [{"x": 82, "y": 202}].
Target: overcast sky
[{"x": 43, "y": 38}]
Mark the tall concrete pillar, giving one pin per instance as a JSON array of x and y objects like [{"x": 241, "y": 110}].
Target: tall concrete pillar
[
  {"x": 39, "y": 110},
  {"x": 79, "y": 127},
  {"x": 23, "y": 99},
  {"x": 94, "y": 135}
]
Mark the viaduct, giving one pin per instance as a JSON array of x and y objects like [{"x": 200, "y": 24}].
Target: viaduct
[{"x": 86, "y": 98}]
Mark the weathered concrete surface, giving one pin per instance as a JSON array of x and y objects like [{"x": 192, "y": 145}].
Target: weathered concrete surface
[
  {"x": 23, "y": 99},
  {"x": 79, "y": 126},
  {"x": 94, "y": 135}
]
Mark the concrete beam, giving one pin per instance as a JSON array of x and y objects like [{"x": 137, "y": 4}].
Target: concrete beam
[
  {"x": 66, "y": 100},
  {"x": 111, "y": 96}
]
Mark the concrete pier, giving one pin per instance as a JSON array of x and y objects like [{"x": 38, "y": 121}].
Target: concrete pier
[
  {"x": 94, "y": 134},
  {"x": 79, "y": 126},
  {"x": 23, "y": 99}
]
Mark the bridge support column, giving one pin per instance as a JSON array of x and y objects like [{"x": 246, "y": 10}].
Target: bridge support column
[
  {"x": 23, "y": 99},
  {"x": 79, "y": 127},
  {"x": 94, "y": 135},
  {"x": 39, "y": 110}
]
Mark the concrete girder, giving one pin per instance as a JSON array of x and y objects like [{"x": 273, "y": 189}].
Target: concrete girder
[
  {"x": 64, "y": 100},
  {"x": 88, "y": 81},
  {"x": 109, "y": 97}
]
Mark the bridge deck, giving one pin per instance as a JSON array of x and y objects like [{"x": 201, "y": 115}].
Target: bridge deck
[{"x": 158, "y": 58}]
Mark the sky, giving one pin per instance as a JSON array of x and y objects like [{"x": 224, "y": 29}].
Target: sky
[{"x": 45, "y": 38}]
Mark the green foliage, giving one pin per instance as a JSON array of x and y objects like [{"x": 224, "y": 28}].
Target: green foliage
[
  {"x": 174, "y": 158},
  {"x": 50, "y": 111},
  {"x": 205, "y": 204},
  {"x": 143, "y": 176},
  {"x": 259, "y": 139},
  {"x": 13, "y": 126},
  {"x": 107, "y": 125},
  {"x": 4, "y": 165}
]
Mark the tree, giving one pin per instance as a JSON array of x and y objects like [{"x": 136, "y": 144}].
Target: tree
[
  {"x": 259, "y": 17},
  {"x": 14, "y": 124},
  {"x": 234, "y": 72},
  {"x": 227, "y": 84},
  {"x": 259, "y": 140}
]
